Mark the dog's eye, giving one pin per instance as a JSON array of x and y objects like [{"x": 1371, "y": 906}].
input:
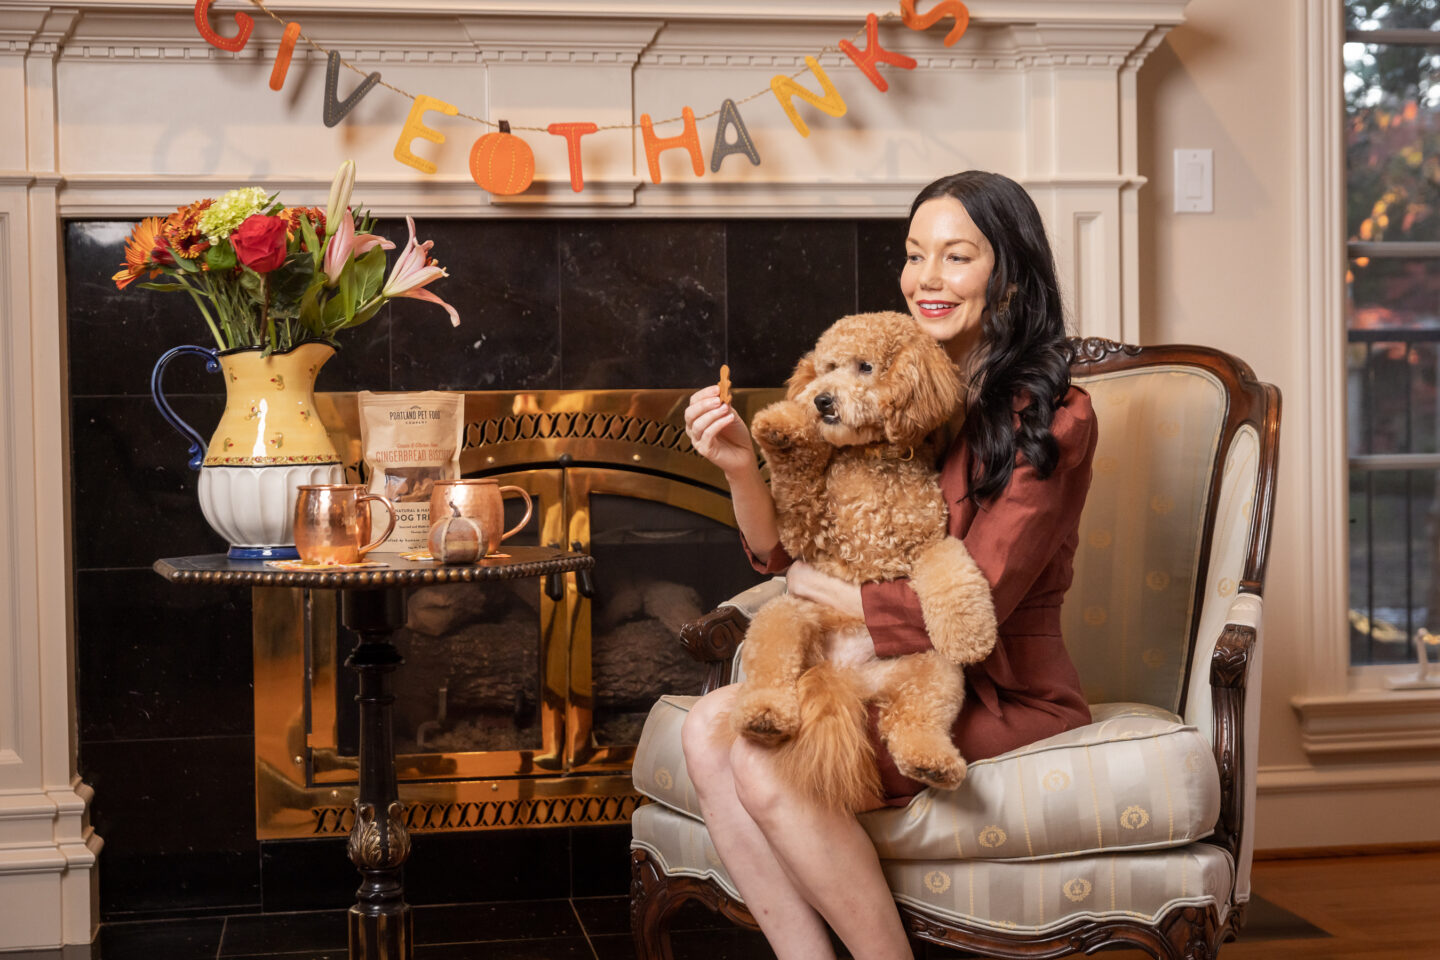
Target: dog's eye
[{"x": 865, "y": 366}]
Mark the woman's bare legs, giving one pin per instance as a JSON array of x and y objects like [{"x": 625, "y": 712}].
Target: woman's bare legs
[
  {"x": 788, "y": 921},
  {"x": 792, "y": 862}
]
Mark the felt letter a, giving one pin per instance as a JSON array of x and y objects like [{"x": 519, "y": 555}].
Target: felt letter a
[
  {"x": 785, "y": 89},
  {"x": 337, "y": 110},
  {"x": 730, "y": 117}
]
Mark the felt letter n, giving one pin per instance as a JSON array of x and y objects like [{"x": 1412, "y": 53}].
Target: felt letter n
[{"x": 785, "y": 89}]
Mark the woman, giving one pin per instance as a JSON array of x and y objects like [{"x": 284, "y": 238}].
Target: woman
[{"x": 979, "y": 277}]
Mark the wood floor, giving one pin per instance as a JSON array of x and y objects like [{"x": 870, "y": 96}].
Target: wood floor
[{"x": 1372, "y": 906}]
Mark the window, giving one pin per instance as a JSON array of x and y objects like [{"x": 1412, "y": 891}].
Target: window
[{"x": 1392, "y": 321}]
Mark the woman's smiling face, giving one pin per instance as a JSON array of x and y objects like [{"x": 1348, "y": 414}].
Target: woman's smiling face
[{"x": 947, "y": 271}]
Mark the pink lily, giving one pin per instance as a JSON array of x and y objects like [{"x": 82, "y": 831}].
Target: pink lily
[
  {"x": 345, "y": 243},
  {"x": 413, "y": 270}
]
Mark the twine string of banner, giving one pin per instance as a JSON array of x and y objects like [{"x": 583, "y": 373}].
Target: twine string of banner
[{"x": 829, "y": 48}]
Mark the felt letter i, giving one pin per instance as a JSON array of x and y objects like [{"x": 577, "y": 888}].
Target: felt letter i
[
  {"x": 689, "y": 139},
  {"x": 282, "y": 58}
]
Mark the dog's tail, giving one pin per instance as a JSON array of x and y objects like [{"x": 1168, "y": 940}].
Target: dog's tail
[{"x": 831, "y": 758}]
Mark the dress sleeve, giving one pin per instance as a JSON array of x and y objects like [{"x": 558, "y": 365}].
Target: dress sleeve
[
  {"x": 1012, "y": 539},
  {"x": 778, "y": 562}
]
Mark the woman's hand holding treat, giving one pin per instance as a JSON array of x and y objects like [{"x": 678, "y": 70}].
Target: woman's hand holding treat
[{"x": 718, "y": 434}]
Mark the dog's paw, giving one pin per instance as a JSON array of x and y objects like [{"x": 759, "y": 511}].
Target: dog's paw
[
  {"x": 768, "y": 715},
  {"x": 784, "y": 425},
  {"x": 938, "y": 766}
]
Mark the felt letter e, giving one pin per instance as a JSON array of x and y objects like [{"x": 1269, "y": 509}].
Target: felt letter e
[{"x": 415, "y": 127}]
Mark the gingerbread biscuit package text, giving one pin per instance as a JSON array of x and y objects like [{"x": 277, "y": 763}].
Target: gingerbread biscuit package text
[{"x": 410, "y": 440}]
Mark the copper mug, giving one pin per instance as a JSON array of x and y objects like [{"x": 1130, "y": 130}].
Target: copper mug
[
  {"x": 481, "y": 499},
  {"x": 332, "y": 522}
]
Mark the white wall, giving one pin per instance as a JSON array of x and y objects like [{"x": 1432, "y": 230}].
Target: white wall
[{"x": 1232, "y": 78}]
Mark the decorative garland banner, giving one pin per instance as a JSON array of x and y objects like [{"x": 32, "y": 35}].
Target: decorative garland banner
[{"x": 503, "y": 163}]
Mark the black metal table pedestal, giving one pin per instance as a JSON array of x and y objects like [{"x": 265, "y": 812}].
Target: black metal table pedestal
[
  {"x": 380, "y": 922},
  {"x": 372, "y": 603}
]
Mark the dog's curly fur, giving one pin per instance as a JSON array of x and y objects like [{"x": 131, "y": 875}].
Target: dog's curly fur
[{"x": 857, "y": 496}]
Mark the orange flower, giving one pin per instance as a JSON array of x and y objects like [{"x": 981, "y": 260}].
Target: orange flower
[
  {"x": 142, "y": 241},
  {"x": 292, "y": 215},
  {"x": 182, "y": 231}
]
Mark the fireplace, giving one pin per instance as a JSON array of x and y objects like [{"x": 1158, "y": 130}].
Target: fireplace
[{"x": 520, "y": 702}]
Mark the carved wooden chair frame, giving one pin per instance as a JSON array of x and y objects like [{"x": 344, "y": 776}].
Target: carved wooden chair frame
[{"x": 1185, "y": 933}]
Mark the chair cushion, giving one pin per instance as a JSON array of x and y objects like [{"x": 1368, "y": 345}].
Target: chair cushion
[
  {"x": 1137, "y": 778},
  {"x": 1028, "y": 897}
]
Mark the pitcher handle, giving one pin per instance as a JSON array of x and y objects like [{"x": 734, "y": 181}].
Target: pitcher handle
[
  {"x": 157, "y": 393},
  {"x": 388, "y": 530},
  {"x": 529, "y": 509}
]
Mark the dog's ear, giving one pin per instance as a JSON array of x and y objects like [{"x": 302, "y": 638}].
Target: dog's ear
[
  {"x": 923, "y": 390},
  {"x": 805, "y": 374}
]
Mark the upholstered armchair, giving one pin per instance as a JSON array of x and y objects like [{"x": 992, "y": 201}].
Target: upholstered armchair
[{"x": 1137, "y": 829}]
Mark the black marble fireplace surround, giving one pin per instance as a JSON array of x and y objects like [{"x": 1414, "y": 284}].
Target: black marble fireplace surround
[{"x": 163, "y": 675}]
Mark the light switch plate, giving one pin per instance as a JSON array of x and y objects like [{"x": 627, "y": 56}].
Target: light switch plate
[{"x": 1194, "y": 181}]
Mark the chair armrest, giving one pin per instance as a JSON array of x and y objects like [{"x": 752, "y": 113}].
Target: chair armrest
[
  {"x": 1230, "y": 668},
  {"x": 714, "y": 638}
]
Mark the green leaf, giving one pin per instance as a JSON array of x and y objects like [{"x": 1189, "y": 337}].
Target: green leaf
[
  {"x": 346, "y": 292},
  {"x": 370, "y": 273},
  {"x": 288, "y": 284},
  {"x": 312, "y": 242},
  {"x": 332, "y": 317},
  {"x": 310, "y": 308},
  {"x": 221, "y": 256},
  {"x": 189, "y": 266},
  {"x": 152, "y": 285}
]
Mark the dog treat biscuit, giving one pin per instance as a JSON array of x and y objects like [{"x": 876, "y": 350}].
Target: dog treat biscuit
[{"x": 725, "y": 383}]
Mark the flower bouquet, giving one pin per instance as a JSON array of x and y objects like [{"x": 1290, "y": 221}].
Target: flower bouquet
[{"x": 276, "y": 286}]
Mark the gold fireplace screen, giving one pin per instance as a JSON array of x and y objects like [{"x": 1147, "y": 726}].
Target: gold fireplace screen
[{"x": 520, "y": 702}]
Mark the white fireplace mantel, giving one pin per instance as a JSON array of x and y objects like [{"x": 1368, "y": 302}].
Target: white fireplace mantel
[{"x": 120, "y": 109}]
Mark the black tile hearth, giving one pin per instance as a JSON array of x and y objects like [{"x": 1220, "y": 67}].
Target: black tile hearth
[
  {"x": 260, "y": 934},
  {"x": 135, "y": 500},
  {"x": 153, "y": 658},
  {"x": 786, "y": 282},
  {"x": 489, "y": 865},
  {"x": 879, "y": 255},
  {"x": 642, "y": 303},
  {"x": 115, "y": 336},
  {"x": 594, "y": 853},
  {"x": 197, "y": 939},
  {"x": 505, "y": 283},
  {"x": 178, "y": 821}
]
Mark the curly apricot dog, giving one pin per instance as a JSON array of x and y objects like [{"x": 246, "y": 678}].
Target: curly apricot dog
[{"x": 857, "y": 495}]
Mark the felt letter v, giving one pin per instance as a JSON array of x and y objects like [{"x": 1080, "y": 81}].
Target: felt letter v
[{"x": 335, "y": 109}]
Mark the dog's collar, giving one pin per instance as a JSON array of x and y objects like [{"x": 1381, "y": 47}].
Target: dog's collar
[{"x": 889, "y": 451}]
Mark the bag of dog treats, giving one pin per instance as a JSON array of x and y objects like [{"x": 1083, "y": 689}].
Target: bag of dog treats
[{"x": 410, "y": 440}]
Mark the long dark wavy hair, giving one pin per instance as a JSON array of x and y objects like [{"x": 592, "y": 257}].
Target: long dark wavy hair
[{"x": 1022, "y": 348}]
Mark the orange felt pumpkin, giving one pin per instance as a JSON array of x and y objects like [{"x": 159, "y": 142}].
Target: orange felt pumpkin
[{"x": 502, "y": 163}]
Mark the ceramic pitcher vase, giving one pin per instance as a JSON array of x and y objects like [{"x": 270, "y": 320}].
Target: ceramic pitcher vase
[{"x": 269, "y": 443}]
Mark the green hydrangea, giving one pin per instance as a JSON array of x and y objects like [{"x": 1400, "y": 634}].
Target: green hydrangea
[{"x": 227, "y": 213}]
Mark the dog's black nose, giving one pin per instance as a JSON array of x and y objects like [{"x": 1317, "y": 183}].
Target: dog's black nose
[{"x": 825, "y": 404}]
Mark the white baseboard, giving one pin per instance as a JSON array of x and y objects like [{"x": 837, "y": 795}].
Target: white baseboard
[
  {"x": 48, "y": 877},
  {"x": 1347, "y": 806}
]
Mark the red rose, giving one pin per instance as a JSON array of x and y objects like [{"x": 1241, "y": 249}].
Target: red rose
[{"x": 260, "y": 242}]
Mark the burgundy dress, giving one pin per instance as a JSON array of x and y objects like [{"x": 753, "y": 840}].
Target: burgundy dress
[{"x": 1024, "y": 542}]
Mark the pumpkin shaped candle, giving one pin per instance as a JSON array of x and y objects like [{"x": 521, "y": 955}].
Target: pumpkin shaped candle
[{"x": 457, "y": 539}]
